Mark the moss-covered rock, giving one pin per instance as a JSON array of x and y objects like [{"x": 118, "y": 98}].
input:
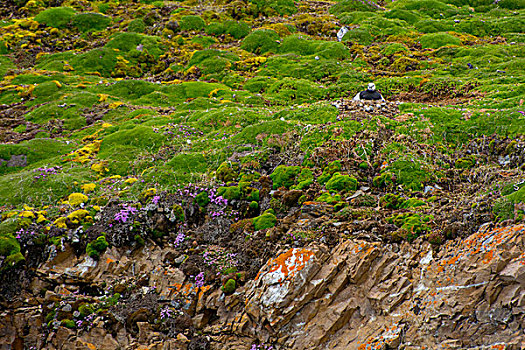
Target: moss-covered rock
[
  {"x": 229, "y": 286},
  {"x": 340, "y": 182},
  {"x": 97, "y": 247},
  {"x": 284, "y": 176},
  {"x": 264, "y": 221}
]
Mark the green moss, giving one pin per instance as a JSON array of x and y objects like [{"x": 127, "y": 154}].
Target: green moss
[
  {"x": 303, "y": 46},
  {"x": 202, "y": 199},
  {"x": 437, "y": 40},
  {"x": 230, "y": 193},
  {"x": 8, "y": 245},
  {"x": 394, "y": 48},
  {"x": 409, "y": 173},
  {"x": 137, "y": 26},
  {"x": 411, "y": 225},
  {"x": 128, "y": 42},
  {"x": 178, "y": 212},
  {"x": 273, "y": 7},
  {"x": 329, "y": 198},
  {"x": 31, "y": 192},
  {"x": 328, "y": 171},
  {"x": 204, "y": 41},
  {"x": 254, "y": 205},
  {"x": 192, "y": 22},
  {"x": 97, "y": 247},
  {"x": 101, "y": 60},
  {"x": 363, "y": 35},
  {"x": 410, "y": 17},
  {"x": 466, "y": 162},
  {"x": 68, "y": 323},
  {"x": 261, "y": 41},
  {"x": 90, "y": 21},
  {"x": 229, "y": 286},
  {"x": 433, "y": 8},
  {"x": 35, "y": 151},
  {"x": 85, "y": 309},
  {"x": 251, "y": 194},
  {"x": 13, "y": 260},
  {"x": 57, "y": 17},
  {"x": 305, "y": 179},
  {"x": 284, "y": 176},
  {"x": 413, "y": 203},
  {"x": 188, "y": 163},
  {"x": 237, "y": 29},
  {"x": 225, "y": 172},
  {"x": 142, "y": 137},
  {"x": 350, "y": 6},
  {"x": 340, "y": 182},
  {"x": 212, "y": 61},
  {"x": 5, "y": 64},
  {"x": 391, "y": 201},
  {"x": 264, "y": 221}
]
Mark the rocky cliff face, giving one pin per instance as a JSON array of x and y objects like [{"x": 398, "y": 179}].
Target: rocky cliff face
[{"x": 359, "y": 294}]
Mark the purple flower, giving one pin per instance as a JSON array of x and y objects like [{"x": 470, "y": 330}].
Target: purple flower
[{"x": 199, "y": 280}]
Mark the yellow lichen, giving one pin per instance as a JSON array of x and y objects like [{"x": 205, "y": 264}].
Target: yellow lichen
[
  {"x": 150, "y": 192},
  {"x": 27, "y": 214},
  {"x": 60, "y": 222},
  {"x": 40, "y": 219},
  {"x": 100, "y": 167},
  {"x": 85, "y": 153},
  {"x": 75, "y": 199},
  {"x": 131, "y": 180},
  {"x": 77, "y": 216},
  {"x": 88, "y": 187}
]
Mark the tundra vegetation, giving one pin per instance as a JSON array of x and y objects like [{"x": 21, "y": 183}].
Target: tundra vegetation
[{"x": 207, "y": 125}]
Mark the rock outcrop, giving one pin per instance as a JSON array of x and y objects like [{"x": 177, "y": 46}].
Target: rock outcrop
[{"x": 468, "y": 293}]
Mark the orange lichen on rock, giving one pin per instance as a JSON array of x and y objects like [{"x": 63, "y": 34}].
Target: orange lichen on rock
[{"x": 289, "y": 263}]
